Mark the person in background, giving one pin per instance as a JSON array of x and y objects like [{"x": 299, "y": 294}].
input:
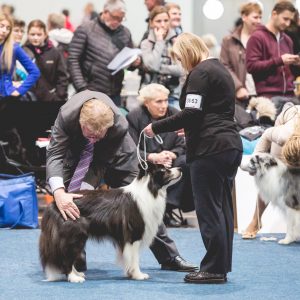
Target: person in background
[
  {"x": 269, "y": 54},
  {"x": 10, "y": 52},
  {"x": 19, "y": 30},
  {"x": 58, "y": 34},
  {"x": 10, "y": 91},
  {"x": 7, "y": 10},
  {"x": 171, "y": 152},
  {"x": 214, "y": 151},
  {"x": 233, "y": 52},
  {"x": 174, "y": 11},
  {"x": 53, "y": 83},
  {"x": 93, "y": 47},
  {"x": 20, "y": 73},
  {"x": 90, "y": 142},
  {"x": 68, "y": 25},
  {"x": 212, "y": 44},
  {"x": 150, "y": 4},
  {"x": 89, "y": 13},
  {"x": 157, "y": 62}
]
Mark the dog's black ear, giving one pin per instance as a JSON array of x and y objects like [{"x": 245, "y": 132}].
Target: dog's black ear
[{"x": 142, "y": 172}]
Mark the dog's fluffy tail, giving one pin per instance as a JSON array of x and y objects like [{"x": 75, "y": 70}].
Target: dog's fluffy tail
[{"x": 61, "y": 242}]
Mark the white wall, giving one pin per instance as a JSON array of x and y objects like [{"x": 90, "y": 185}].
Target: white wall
[{"x": 136, "y": 12}]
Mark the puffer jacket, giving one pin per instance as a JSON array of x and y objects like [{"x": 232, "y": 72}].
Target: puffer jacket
[
  {"x": 92, "y": 48},
  {"x": 53, "y": 83},
  {"x": 274, "y": 138},
  {"x": 6, "y": 85}
]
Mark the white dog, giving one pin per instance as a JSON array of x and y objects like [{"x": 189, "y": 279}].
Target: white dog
[{"x": 280, "y": 185}]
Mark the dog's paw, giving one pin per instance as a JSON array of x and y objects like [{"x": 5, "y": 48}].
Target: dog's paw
[
  {"x": 285, "y": 241},
  {"x": 139, "y": 276},
  {"x": 72, "y": 277}
]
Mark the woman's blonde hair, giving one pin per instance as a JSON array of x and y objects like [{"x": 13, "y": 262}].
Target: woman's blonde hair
[
  {"x": 151, "y": 92},
  {"x": 291, "y": 149},
  {"x": 96, "y": 116},
  {"x": 8, "y": 46},
  {"x": 190, "y": 49}
]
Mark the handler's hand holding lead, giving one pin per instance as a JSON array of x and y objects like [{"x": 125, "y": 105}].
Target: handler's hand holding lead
[
  {"x": 180, "y": 132},
  {"x": 148, "y": 131},
  {"x": 65, "y": 204}
]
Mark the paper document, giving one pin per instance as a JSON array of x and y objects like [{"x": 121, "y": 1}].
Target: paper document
[{"x": 123, "y": 59}]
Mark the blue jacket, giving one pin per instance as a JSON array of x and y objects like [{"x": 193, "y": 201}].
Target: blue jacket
[{"x": 6, "y": 86}]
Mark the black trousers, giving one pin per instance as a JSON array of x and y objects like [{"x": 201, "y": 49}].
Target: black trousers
[{"x": 212, "y": 180}]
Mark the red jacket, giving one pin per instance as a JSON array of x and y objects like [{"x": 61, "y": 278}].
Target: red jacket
[{"x": 263, "y": 60}]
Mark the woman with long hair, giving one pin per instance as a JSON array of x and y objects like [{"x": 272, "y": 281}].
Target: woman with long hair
[
  {"x": 10, "y": 91},
  {"x": 9, "y": 53}
]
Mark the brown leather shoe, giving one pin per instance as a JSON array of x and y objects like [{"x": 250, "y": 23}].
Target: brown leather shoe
[{"x": 205, "y": 277}]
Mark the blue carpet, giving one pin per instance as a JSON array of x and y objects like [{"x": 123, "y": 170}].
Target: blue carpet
[{"x": 261, "y": 270}]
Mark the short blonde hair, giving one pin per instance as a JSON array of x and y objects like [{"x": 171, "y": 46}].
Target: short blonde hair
[
  {"x": 96, "y": 116},
  {"x": 190, "y": 49},
  {"x": 151, "y": 92},
  {"x": 171, "y": 5}
]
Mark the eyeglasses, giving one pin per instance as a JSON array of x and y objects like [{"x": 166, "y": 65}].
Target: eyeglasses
[{"x": 119, "y": 19}]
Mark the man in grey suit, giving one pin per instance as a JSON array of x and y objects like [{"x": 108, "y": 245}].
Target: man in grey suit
[{"x": 92, "y": 118}]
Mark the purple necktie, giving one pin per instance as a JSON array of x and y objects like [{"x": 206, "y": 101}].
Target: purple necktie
[{"x": 86, "y": 158}]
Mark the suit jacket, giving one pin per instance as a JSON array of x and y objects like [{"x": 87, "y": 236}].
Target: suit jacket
[{"x": 116, "y": 150}]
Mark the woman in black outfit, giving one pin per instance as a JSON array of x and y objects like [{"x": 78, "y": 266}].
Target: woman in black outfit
[{"x": 214, "y": 151}]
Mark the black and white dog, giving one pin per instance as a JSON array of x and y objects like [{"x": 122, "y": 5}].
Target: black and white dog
[
  {"x": 128, "y": 216},
  {"x": 280, "y": 185}
]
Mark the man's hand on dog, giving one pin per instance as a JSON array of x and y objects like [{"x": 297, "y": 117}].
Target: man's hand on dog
[{"x": 65, "y": 204}]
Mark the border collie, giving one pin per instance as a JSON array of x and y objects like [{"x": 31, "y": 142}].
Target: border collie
[
  {"x": 280, "y": 184},
  {"x": 128, "y": 216}
]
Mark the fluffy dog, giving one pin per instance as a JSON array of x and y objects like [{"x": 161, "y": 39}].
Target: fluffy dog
[
  {"x": 128, "y": 216},
  {"x": 280, "y": 185}
]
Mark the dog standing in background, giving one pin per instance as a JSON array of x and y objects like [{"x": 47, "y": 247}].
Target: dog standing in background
[
  {"x": 280, "y": 185},
  {"x": 128, "y": 216}
]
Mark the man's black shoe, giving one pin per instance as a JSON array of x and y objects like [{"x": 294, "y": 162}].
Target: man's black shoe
[
  {"x": 205, "y": 277},
  {"x": 179, "y": 264}
]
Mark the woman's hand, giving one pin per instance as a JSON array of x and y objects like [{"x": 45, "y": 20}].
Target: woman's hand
[
  {"x": 65, "y": 204},
  {"x": 17, "y": 84},
  {"x": 137, "y": 62},
  {"x": 180, "y": 132},
  {"x": 148, "y": 131},
  {"x": 15, "y": 93},
  {"x": 162, "y": 158},
  {"x": 159, "y": 33}
]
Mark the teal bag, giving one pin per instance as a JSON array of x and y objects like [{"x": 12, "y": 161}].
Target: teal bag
[{"x": 18, "y": 201}]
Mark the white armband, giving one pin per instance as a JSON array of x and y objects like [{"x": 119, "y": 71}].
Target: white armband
[{"x": 193, "y": 101}]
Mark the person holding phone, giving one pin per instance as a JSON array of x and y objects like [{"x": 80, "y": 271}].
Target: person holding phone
[{"x": 157, "y": 62}]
